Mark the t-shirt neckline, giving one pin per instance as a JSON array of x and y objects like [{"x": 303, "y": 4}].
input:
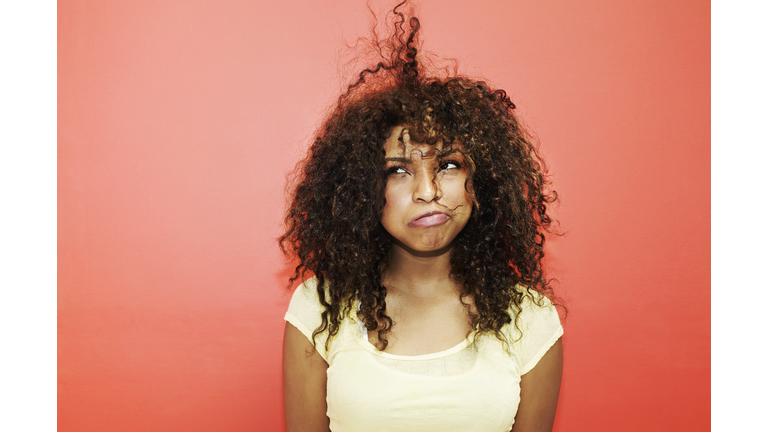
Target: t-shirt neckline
[{"x": 368, "y": 346}]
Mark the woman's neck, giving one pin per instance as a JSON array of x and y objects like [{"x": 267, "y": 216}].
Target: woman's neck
[{"x": 419, "y": 274}]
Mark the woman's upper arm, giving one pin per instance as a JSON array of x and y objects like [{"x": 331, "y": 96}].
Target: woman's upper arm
[
  {"x": 304, "y": 384},
  {"x": 539, "y": 390}
]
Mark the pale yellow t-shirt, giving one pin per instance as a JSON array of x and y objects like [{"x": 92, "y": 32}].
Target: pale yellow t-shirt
[{"x": 474, "y": 386}]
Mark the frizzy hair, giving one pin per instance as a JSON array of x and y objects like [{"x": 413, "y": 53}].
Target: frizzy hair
[{"x": 333, "y": 224}]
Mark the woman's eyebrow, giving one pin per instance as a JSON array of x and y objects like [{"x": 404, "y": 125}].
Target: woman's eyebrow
[
  {"x": 449, "y": 152},
  {"x": 397, "y": 159}
]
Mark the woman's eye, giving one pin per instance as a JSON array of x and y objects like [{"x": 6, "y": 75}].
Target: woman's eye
[
  {"x": 450, "y": 165},
  {"x": 396, "y": 170}
]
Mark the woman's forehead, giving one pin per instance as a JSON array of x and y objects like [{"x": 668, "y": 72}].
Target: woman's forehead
[{"x": 399, "y": 144}]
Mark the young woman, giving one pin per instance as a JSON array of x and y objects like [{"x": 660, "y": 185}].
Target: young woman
[{"x": 420, "y": 210}]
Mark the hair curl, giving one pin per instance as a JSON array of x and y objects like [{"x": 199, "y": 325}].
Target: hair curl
[{"x": 333, "y": 225}]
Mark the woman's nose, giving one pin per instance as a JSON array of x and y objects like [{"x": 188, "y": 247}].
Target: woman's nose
[{"x": 426, "y": 188}]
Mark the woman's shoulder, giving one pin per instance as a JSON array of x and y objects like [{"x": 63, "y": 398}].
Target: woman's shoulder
[
  {"x": 534, "y": 302},
  {"x": 306, "y": 291},
  {"x": 535, "y": 327},
  {"x": 305, "y": 310},
  {"x": 305, "y": 303},
  {"x": 534, "y": 308}
]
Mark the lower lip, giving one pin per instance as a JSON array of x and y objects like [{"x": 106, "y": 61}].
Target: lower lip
[{"x": 428, "y": 221}]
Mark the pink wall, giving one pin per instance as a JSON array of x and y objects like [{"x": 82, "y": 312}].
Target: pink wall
[{"x": 178, "y": 121}]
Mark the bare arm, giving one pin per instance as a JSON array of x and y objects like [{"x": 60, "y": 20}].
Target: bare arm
[
  {"x": 304, "y": 383},
  {"x": 539, "y": 389}
]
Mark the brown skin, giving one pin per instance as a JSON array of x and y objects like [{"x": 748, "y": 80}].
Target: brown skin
[
  {"x": 304, "y": 383},
  {"x": 422, "y": 180},
  {"x": 539, "y": 389},
  {"x": 422, "y": 299}
]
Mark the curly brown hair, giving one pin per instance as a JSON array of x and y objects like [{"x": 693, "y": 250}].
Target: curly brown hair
[{"x": 333, "y": 225}]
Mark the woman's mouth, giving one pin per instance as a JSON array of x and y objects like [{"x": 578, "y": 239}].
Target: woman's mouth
[{"x": 429, "y": 219}]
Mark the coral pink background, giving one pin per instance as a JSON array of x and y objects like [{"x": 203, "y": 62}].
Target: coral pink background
[{"x": 177, "y": 124}]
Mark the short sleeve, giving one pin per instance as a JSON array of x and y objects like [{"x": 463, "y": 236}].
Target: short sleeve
[
  {"x": 305, "y": 313},
  {"x": 540, "y": 327}
]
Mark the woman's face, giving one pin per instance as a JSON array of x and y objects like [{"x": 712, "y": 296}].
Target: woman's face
[{"x": 427, "y": 204}]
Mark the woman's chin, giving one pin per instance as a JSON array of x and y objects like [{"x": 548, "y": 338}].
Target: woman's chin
[{"x": 423, "y": 249}]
